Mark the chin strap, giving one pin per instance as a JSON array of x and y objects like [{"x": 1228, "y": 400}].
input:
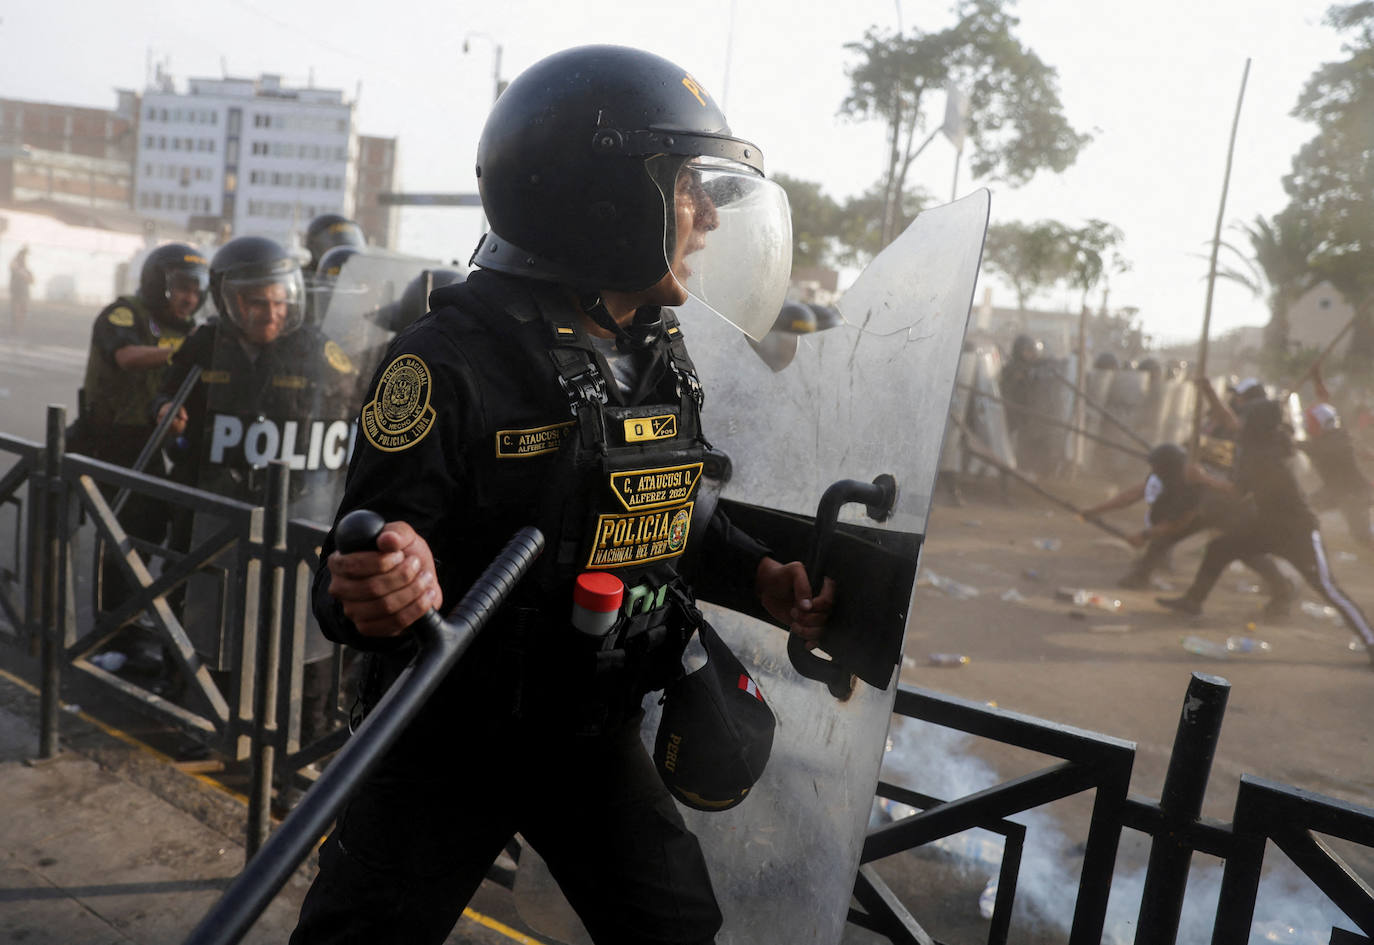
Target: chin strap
[{"x": 645, "y": 329}]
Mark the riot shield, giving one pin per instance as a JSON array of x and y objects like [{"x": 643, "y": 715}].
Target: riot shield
[
  {"x": 988, "y": 418},
  {"x": 867, "y": 398}
]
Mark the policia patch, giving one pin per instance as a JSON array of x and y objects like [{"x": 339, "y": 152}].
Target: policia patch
[
  {"x": 399, "y": 414},
  {"x": 659, "y": 506}
]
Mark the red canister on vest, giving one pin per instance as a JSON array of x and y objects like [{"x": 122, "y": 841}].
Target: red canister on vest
[{"x": 596, "y": 602}]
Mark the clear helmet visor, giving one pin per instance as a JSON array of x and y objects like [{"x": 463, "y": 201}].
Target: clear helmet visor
[
  {"x": 265, "y": 307},
  {"x": 728, "y": 238},
  {"x": 186, "y": 290}
]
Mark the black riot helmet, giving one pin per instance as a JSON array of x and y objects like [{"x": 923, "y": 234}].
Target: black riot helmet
[
  {"x": 324, "y": 281},
  {"x": 175, "y": 268},
  {"x": 1026, "y": 348},
  {"x": 1167, "y": 461},
  {"x": 258, "y": 288},
  {"x": 327, "y": 231},
  {"x": 605, "y": 167}
]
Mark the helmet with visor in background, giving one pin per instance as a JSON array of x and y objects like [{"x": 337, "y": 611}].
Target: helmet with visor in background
[
  {"x": 327, "y": 231},
  {"x": 173, "y": 282}
]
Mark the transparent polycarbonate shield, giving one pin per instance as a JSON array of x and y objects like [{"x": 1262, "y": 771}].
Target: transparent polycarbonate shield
[
  {"x": 867, "y": 398},
  {"x": 355, "y": 308}
]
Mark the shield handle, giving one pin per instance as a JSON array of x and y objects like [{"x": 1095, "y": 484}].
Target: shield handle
[{"x": 879, "y": 497}]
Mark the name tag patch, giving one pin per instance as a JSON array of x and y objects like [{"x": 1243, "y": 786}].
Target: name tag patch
[
  {"x": 654, "y": 488},
  {"x": 519, "y": 444}
]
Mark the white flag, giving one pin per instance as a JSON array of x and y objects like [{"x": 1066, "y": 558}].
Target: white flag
[{"x": 956, "y": 116}]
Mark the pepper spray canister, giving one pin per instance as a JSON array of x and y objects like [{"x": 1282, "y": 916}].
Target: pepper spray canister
[{"x": 596, "y": 602}]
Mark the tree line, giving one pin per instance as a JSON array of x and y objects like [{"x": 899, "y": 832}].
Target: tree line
[{"x": 1014, "y": 127}]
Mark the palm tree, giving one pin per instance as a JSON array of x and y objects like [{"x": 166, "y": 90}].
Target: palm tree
[{"x": 1276, "y": 270}]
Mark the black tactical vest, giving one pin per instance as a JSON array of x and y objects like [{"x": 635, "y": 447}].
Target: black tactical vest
[{"x": 621, "y": 484}]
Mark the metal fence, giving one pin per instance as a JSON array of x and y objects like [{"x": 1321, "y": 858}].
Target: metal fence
[
  {"x": 1291, "y": 819},
  {"x": 56, "y": 515}
]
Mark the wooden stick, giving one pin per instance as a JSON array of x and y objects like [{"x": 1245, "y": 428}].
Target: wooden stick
[
  {"x": 1212, "y": 267},
  {"x": 1312, "y": 368},
  {"x": 1106, "y": 414},
  {"x": 971, "y": 444},
  {"x": 1052, "y": 420}
]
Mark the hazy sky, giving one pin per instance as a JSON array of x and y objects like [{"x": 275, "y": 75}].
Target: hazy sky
[{"x": 1155, "y": 83}]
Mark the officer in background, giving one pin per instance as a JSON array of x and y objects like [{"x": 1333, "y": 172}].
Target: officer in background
[
  {"x": 522, "y": 398},
  {"x": 1022, "y": 386},
  {"x": 325, "y": 232},
  {"x": 271, "y": 387},
  {"x": 132, "y": 343}
]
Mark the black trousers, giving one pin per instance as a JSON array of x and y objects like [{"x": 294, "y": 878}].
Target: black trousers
[
  {"x": 1301, "y": 548},
  {"x": 1215, "y": 512},
  {"x": 415, "y": 842}
]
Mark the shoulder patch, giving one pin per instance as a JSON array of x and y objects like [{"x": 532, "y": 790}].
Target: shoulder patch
[
  {"x": 399, "y": 414},
  {"x": 337, "y": 359},
  {"x": 121, "y": 318}
]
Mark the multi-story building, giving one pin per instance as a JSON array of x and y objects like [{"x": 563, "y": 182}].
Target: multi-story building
[
  {"x": 244, "y": 156},
  {"x": 377, "y": 170},
  {"x": 67, "y": 154}
]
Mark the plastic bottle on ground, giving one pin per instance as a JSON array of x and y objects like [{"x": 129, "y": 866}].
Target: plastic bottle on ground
[
  {"x": 1199, "y": 646},
  {"x": 1247, "y": 645}
]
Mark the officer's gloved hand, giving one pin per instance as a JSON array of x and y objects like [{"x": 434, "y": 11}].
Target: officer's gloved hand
[
  {"x": 385, "y": 591},
  {"x": 786, "y": 594}
]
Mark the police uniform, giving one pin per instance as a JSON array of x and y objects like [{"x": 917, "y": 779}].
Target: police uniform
[
  {"x": 116, "y": 414},
  {"x": 1280, "y": 523},
  {"x": 287, "y": 402},
  {"x": 290, "y": 401},
  {"x": 494, "y": 412}
]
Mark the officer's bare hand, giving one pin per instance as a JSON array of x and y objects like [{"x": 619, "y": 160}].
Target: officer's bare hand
[
  {"x": 178, "y": 422},
  {"x": 385, "y": 591},
  {"x": 785, "y": 593}
]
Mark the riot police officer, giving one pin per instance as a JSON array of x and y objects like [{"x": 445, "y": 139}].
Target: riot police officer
[
  {"x": 271, "y": 387},
  {"x": 1024, "y": 383},
  {"x": 554, "y": 388},
  {"x": 324, "y": 233},
  {"x": 132, "y": 343}
]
